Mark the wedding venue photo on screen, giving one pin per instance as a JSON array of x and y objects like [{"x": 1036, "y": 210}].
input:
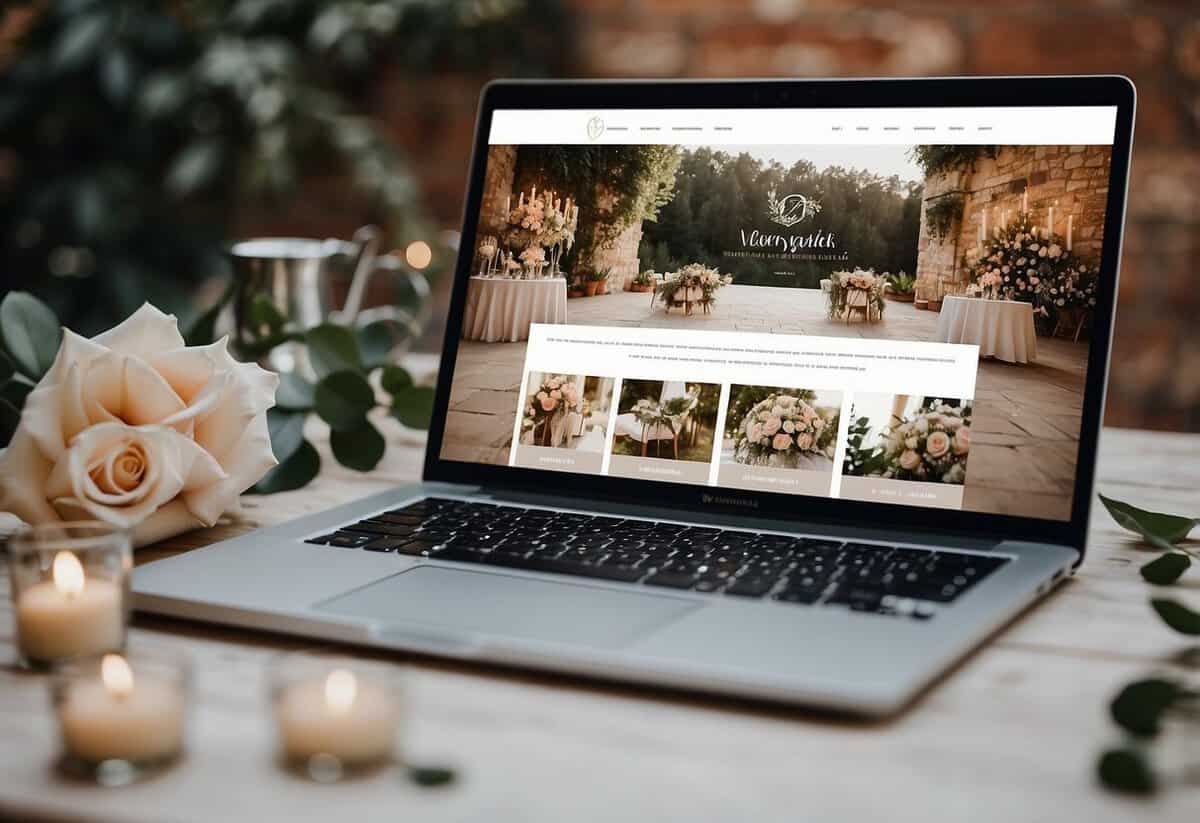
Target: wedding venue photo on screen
[
  {"x": 912, "y": 272},
  {"x": 780, "y": 439},
  {"x": 565, "y": 422},
  {"x": 665, "y": 430}
]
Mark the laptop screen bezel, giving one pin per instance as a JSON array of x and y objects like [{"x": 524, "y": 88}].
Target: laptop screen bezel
[{"x": 931, "y": 93}]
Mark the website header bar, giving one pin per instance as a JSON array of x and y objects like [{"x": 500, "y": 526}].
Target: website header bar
[{"x": 1043, "y": 125}]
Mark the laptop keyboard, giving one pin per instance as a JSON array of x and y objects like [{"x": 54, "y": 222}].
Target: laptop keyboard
[{"x": 867, "y": 577}]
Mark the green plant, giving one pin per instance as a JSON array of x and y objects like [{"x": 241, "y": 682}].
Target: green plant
[
  {"x": 902, "y": 283},
  {"x": 343, "y": 360},
  {"x": 942, "y": 213},
  {"x": 644, "y": 278},
  {"x": 597, "y": 275},
  {"x": 939, "y": 159},
  {"x": 1143, "y": 707},
  {"x": 137, "y": 135}
]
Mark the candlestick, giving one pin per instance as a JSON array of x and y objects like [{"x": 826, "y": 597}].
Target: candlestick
[
  {"x": 121, "y": 717},
  {"x": 334, "y": 714},
  {"x": 1070, "y": 229},
  {"x": 1050, "y": 221},
  {"x": 68, "y": 590},
  {"x": 507, "y": 206},
  {"x": 983, "y": 228},
  {"x": 1025, "y": 202},
  {"x": 521, "y": 201}
]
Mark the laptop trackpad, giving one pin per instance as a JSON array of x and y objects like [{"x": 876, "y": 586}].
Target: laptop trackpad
[{"x": 461, "y": 600}]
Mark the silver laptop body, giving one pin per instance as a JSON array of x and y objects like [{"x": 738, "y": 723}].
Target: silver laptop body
[{"x": 835, "y": 655}]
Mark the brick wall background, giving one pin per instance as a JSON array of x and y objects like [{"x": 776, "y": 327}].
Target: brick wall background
[{"x": 1156, "y": 363}]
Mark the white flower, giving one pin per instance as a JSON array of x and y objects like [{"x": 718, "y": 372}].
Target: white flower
[{"x": 136, "y": 429}]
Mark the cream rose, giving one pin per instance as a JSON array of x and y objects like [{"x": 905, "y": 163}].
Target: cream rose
[
  {"x": 782, "y": 442},
  {"x": 772, "y": 425},
  {"x": 910, "y": 460},
  {"x": 937, "y": 444},
  {"x": 137, "y": 429},
  {"x": 962, "y": 440}
]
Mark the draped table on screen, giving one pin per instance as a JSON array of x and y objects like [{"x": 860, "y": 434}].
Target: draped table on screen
[
  {"x": 500, "y": 309},
  {"x": 1002, "y": 329}
]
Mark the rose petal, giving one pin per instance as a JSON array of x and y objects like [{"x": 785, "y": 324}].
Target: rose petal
[
  {"x": 252, "y": 458},
  {"x": 73, "y": 349},
  {"x": 162, "y": 483},
  {"x": 23, "y": 473},
  {"x": 146, "y": 330},
  {"x": 172, "y": 519},
  {"x": 188, "y": 370}
]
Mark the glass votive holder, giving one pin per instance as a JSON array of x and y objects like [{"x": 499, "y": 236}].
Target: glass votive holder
[
  {"x": 70, "y": 590},
  {"x": 120, "y": 717},
  {"x": 335, "y": 717}
]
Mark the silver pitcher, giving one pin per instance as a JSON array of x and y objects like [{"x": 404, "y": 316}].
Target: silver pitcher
[{"x": 303, "y": 277}]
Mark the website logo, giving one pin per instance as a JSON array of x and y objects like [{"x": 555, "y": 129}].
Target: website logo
[
  {"x": 791, "y": 209},
  {"x": 595, "y": 128},
  {"x": 722, "y": 500}
]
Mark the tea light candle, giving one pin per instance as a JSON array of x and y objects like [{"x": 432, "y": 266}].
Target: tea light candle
[
  {"x": 69, "y": 615},
  {"x": 341, "y": 715},
  {"x": 117, "y": 716}
]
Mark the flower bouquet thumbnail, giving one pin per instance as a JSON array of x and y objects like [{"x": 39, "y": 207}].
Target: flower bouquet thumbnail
[
  {"x": 556, "y": 396},
  {"x": 855, "y": 288},
  {"x": 782, "y": 429},
  {"x": 931, "y": 446},
  {"x": 694, "y": 283}
]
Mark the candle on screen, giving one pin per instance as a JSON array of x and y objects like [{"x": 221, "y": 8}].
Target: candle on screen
[
  {"x": 1070, "y": 229},
  {"x": 1025, "y": 201},
  {"x": 120, "y": 715},
  {"x": 508, "y": 204},
  {"x": 341, "y": 715},
  {"x": 69, "y": 615},
  {"x": 983, "y": 228},
  {"x": 521, "y": 201},
  {"x": 1050, "y": 221}
]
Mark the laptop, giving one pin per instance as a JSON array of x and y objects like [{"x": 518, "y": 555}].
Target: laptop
[{"x": 788, "y": 390}]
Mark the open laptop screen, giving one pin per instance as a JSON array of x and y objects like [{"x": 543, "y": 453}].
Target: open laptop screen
[{"x": 883, "y": 305}]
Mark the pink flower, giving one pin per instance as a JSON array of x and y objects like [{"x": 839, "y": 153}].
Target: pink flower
[
  {"x": 548, "y": 403},
  {"x": 782, "y": 442},
  {"x": 556, "y": 394},
  {"x": 910, "y": 460},
  {"x": 756, "y": 432},
  {"x": 771, "y": 426},
  {"x": 937, "y": 444},
  {"x": 962, "y": 441},
  {"x": 804, "y": 441}
]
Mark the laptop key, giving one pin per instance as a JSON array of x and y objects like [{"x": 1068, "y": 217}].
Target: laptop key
[
  {"x": 750, "y": 586},
  {"x": 671, "y": 579},
  {"x": 387, "y": 544}
]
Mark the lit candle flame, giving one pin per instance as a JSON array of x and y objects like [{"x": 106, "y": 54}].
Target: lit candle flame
[
  {"x": 340, "y": 690},
  {"x": 117, "y": 676},
  {"x": 68, "y": 574}
]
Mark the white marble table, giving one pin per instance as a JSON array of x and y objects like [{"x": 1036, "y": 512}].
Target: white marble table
[
  {"x": 1002, "y": 329},
  {"x": 501, "y": 309}
]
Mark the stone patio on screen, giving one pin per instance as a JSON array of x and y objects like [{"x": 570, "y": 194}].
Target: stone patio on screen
[{"x": 1025, "y": 426}]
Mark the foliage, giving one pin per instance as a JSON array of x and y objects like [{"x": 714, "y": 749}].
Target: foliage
[
  {"x": 342, "y": 396},
  {"x": 718, "y": 194},
  {"x": 940, "y": 159},
  {"x": 942, "y": 213},
  {"x": 645, "y": 278},
  {"x": 901, "y": 283},
  {"x": 692, "y": 276},
  {"x": 136, "y": 132},
  {"x": 1141, "y": 707},
  {"x": 597, "y": 275},
  {"x": 614, "y": 186}
]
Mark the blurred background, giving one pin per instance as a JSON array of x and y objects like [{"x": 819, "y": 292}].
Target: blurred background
[{"x": 137, "y": 137}]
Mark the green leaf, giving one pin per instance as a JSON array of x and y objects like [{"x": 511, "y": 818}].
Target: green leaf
[
  {"x": 1178, "y": 616},
  {"x": 1161, "y": 530},
  {"x": 6, "y": 368},
  {"x": 1140, "y": 705},
  {"x": 1125, "y": 770},
  {"x": 204, "y": 328},
  {"x": 343, "y": 399},
  {"x": 295, "y": 472},
  {"x": 10, "y": 416},
  {"x": 294, "y": 393},
  {"x": 394, "y": 379},
  {"x": 1165, "y": 570},
  {"x": 195, "y": 167},
  {"x": 332, "y": 349},
  {"x": 414, "y": 406},
  {"x": 31, "y": 333},
  {"x": 428, "y": 777},
  {"x": 376, "y": 341},
  {"x": 117, "y": 74},
  {"x": 81, "y": 40},
  {"x": 264, "y": 312},
  {"x": 360, "y": 449},
  {"x": 287, "y": 432}
]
